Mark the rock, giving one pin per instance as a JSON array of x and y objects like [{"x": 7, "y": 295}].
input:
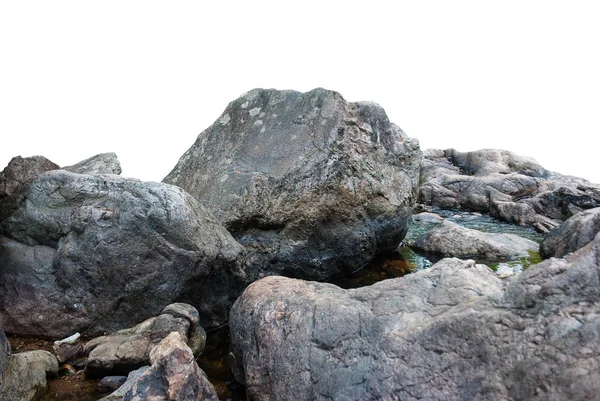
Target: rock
[
  {"x": 451, "y": 239},
  {"x": 24, "y": 376},
  {"x": 84, "y": 251},
  {"x": 452, "y": 332},
  {"x": 104, "y": 163},
  {"x": 311, "y": 185},
  {"x": 507, "y": 186},
  {"x": 15, "y": 180},
  {"x": 111, "y": 383},
  {"x": 573, "y": 234},
  {"x": 4, "y": 350},
  {"x": 427, "y": 217},
  {"x": 129, "y": 349},
  {"x": 68, "y": 349},
  {"x": 173, "y": 376},
  {"x": 119, "y": 393}
]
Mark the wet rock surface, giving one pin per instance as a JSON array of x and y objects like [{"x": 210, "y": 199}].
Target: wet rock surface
[
  {"x": 451, "y": 332},
  {"x": 84, "y": 252},
  {"x": 573, "y": 234},
  {"x": 311, "y": 185}
]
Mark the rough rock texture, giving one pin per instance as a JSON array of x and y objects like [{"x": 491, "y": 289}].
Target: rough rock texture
[
  {"x": 111, "y": 383},
  {"x": 451, "y": 332},
  {"x": 24, "y": 376},
  {"x": 84, "y": 252},
  {"x": 104, "y": 163},
  {"x": 129, "y": 349},
  {"x": 15, "y": 180},
  {"x": 4, "y": 350},
  {"x": 119, "y": 393},
  {"x": 450, "y": 239},
  {"x": 69, "y": 349},
  {"x": 509, "y": 187},
  {"x": 573, "y": 234},
  {"x": 173, "y": 376},
  {"x": 312, "y": 185}
]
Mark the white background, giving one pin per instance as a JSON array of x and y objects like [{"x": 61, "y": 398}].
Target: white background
[{"x": 144, "y": 78}]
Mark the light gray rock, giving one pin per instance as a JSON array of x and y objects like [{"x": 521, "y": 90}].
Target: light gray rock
[
  {"x": 4, "y": 350},
  {"x": 452, "y": 332},
  {"x": 119, "y": 393},
  {"x": 84, "y": 252},
  {"x": 129, "y": 349},
  {"x": 427, "y": 217},
  {"x": 312, "y": 185},
  {"x": 24, "y": 376},
  {"x": 573, "y": 234},
  {"x": 104, "y": 163},
  {"x": 173, "y": 376},
  {"x": 452, "y": 240}
]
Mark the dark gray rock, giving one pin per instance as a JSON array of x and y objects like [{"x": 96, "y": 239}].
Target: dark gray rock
[
  {"x": 24, "y": 376},
  {"x": 104, "y": 163},
  {"x": 451, "y": 332},
  {"x": 119, "y": 393},
  {"x": 312, "y": 185},
  {"x": 111, "y": 383},
  {"x": 573, "y": 234},
  {"x": 15, "y": 180},
  {"x": 4, "y": 350},
  {"x": 129, "y": 349},
  {"x": 452, "y": 240},
  {"x": 173, "y": 376},
  {"x": 84, "y": 251}
]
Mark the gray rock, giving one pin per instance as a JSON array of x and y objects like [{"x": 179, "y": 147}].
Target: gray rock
[
  {"x": 110, "y": 383},
  {"x": 312, "y": 185},
  {"x": 573, "y": 234},
  {"x": 129, "y": 349},
  {"x": 24, "y": 376},
  {"x": 119, "y": 393},
  {"x": 173, "y": 376},
  {"x": 84, "y": 251},
  {"x": 4, "y": 350},
  {"x": 68, "y": 349},
  {"x": 427, "y": 217},
  {"x": 453, "y": 240},
  {"x": 15, "y": 180},
  {"x": 104, "y": 163},
  {"x": 452, "y": 332}
]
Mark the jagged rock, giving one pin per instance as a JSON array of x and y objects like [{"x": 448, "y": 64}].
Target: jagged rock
[
  {"x": 450, "y": 332},
  {"x": 312, "y": 185},
  {"x": 129, "y": 349},
  {"x": 84, "y": 251},
  {"x": 15, "y": 180},
  {"x": 68, "y": 349},
  {"x": 450, "y": 239},
  {"x": 173, "y": 376},
  {"x": 573, "y": 234},
  {"x": 104, "y": 163},
  {"x": 119, "y": 393},
  {"x": 509, "y": 187},
  {"x": 24, "y": 375}
]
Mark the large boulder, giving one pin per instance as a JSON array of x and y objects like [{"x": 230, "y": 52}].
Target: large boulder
[
  {"x": 510, "y": 187},
  {"x": 573, "y": 234},
  {"x": 84, "y": 252},
  {"x": 449, "y": 239},
  {"x": 312, "y": 185},
  {"x": 451, "y": 332},
  {"x": 173, "y": 376},
  {"x": 24, "y": 376},
  {"x": 103, "y": 163}
]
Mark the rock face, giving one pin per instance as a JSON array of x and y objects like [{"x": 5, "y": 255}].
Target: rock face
[
  {"x": 450, "y": 332},
  {"x": 120, "y": 392},
  {"x": 509, "y": 187},
  {"x": 24, "y": 376},
  {"x": 450, "y": 239},
  {"x": 84, "y": 252},
  {"x": 104, "y": 163},
  {"x": 312, "y": 185},
  {"x": 4, "y": 350},
  {"x": 573, "y": 234},
  {"x": 173, "y": 376},
  {"x": 129, "y": 349}
]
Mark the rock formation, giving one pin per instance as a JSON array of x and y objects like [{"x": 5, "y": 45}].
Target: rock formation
[
  {"x": 311, "y": 185},
  {"x": 573, "y": 234},
  {"x": 23, "y": 377},
  {"x": 104, "y": 163}
]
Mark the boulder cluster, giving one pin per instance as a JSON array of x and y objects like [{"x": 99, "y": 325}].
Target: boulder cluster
[{"x": 287, "y": 187}]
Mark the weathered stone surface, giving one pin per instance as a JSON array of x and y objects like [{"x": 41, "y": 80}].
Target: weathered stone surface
[
  {"x": 129, "y": 349},
  {"x": 428, "y": 217},
  {"x": 312, "y": 185},
  {"x": 509, "y": 187},
  {"x": 68, "y": 349},
  {"x": 84, "y": 252},
  {"x": 111, "y": 383},
  {"x": 104, "y": 163},
  {"x": 15, "y": 180},
  {"x": 573, "y": 234},
  {"x": 450, "y": 239},
  {"x": 4, "y": 350},
  {"x": 452, "y": 332},
  {"x": 119, "y": 393},
  {"x": 24, "y": 376},
  {"x": 173, "y": 376}
]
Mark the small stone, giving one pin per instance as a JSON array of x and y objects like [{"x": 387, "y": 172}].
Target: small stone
[{"x": 110, "y": 383}]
